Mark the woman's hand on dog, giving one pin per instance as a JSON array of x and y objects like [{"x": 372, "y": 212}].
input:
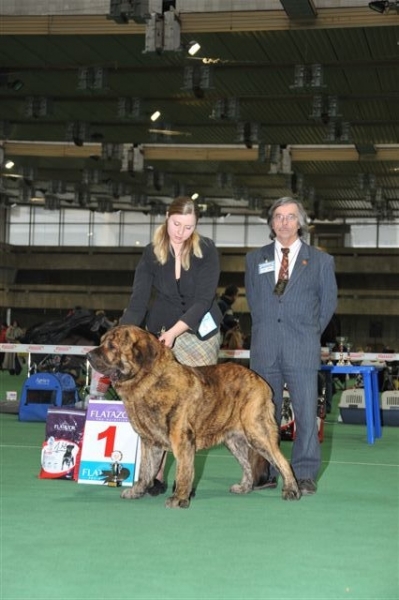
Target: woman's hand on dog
[{"x": 168, "y": 337}]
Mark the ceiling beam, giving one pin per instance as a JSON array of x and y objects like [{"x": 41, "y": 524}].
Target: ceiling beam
[
  {"x": 213, "y": 22},
  {"x": 191, "y": 152}
]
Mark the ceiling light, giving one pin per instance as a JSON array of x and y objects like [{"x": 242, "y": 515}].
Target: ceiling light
[
  {"x": 261, "y": 152},
  {"x": 162, "y": 29},
  {"x": 92, "y": 78},
  {"x": 155, "y": 116},
  {"x": 16, "y": 85},
  {"x": 226, "y": 108},
  {"x": 38, "y": 197},
  {"x": 338, "y": 132},
  {"x": 121, "y": 11},
  {"x": 132, "y": 159},
  {"x": 195, "y": 196},
  {"x": 383, "y": 6},
  {"x": 224, "y": 180},
  {"x": 129, "y": 107},
  {"x": 37, "y": 106},
  {"x": 308, "y": 77},
  {"x": 193, "y": 48},
  {"x": 11, "y": 84},
  {"x": 110, "y": 151},
  {"x": 9, "y": 164},
  {"x": 197, "y": 78},
  {"x": 77, "y": 132},
  {"x": 248, "y": 133}
]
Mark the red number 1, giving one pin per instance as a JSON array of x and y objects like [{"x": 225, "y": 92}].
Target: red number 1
[{"x": 109, "y": 435}]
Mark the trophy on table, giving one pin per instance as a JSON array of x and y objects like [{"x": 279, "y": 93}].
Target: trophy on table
[
  {"x": 348, "y": 350},
  {"x": 330, "y": 346},
  {"x": 341, "y": 340}
]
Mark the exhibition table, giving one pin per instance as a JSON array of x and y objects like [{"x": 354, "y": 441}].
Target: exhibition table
[{"x": 371, "y": 394}]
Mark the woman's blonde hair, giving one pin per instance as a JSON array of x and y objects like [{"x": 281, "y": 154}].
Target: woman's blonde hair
[{"x": 161, "y": 241}]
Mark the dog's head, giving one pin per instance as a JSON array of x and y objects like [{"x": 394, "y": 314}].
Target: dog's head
[{"x": 125, "y": 351}]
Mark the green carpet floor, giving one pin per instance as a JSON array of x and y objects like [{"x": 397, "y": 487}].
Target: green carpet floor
[{"x": 66, "y": 541}]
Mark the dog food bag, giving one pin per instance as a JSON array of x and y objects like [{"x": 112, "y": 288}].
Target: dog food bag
[{"x": 63, "y": 443}]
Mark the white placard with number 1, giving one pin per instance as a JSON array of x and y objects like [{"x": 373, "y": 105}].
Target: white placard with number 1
[{"x": 110, "y": 445}]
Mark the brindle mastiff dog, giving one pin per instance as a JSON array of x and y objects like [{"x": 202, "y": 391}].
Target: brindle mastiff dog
[{"x": 185, "y": 409}]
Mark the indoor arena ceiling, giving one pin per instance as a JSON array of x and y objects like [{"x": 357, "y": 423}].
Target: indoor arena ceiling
[{"x": 301, "y": 100}]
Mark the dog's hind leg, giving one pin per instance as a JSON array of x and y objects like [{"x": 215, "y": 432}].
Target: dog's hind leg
[
  {"x": 151, "y": 457},
  {"x": 238, "y": 446},
  {"x": 266, "y": 444},
  {"x": 262, "y": 433}
]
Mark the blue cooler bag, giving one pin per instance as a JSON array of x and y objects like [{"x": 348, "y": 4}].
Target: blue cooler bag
[{"x": 42, "y": 390}]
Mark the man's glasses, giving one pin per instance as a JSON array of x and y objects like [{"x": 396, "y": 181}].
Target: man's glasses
[{"x": 289, "y": 218}]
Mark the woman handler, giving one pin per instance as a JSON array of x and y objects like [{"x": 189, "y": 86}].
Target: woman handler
[{"x": 174, "y": 293}]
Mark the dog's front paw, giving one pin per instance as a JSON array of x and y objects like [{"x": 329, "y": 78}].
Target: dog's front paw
[
  {"x": 291, "y": 493},
  {"x": 133, "y": 492},
  {"x": 175, "y": 502}
]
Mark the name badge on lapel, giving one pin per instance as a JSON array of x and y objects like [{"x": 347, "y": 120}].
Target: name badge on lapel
[{"x": 266, "y": 267}]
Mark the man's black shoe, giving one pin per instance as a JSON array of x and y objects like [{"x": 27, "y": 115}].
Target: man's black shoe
[
  {"x": 158, "y": 487},
  {"x": 265, "y": 483},
  {"x": 307, "y": 486}
]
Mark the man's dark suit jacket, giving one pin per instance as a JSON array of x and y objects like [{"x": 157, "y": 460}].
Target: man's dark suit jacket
[{"x": 288, "y": 328}]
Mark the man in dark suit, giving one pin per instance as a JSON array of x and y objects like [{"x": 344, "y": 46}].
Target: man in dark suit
[{"x": 290, "y": 309}]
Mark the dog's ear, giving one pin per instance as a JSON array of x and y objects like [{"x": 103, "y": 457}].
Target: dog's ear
[{"x": 146, "y": 348}]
